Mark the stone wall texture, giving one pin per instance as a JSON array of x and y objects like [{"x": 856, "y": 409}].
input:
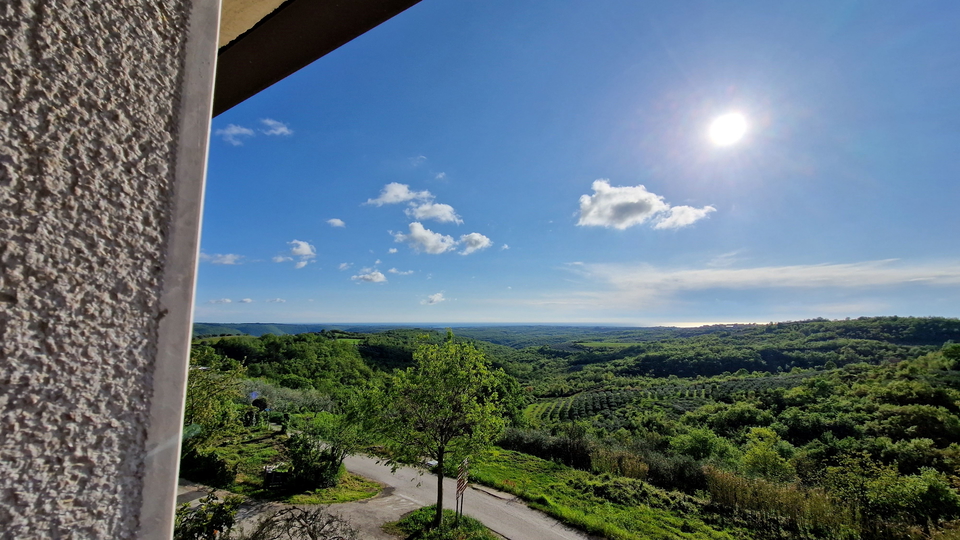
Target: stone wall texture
[{"x": 88, "y": 119}]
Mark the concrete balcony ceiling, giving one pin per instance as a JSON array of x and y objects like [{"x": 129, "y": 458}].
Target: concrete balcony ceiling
[{"x": 263, "y": 41}]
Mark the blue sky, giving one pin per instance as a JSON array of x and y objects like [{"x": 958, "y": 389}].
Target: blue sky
[{"x": 495, "y": 161}]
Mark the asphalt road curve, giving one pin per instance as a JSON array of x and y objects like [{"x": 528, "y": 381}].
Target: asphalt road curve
[{"x": 408, "y": 490}]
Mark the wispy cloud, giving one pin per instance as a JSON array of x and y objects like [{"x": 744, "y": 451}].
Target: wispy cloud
[
  {"x": 281, "y": 258},
  {"x": 368, "y": 275},
  {"x": 395, "y": 192},
  {"x": 399, "y": 272},
  {"x": 335, "y": 222},
  {"x": 344, "y": 266},
  {"x": 440, "y": 176},
  {"x": 433, "y": 299},
  {"x": 425, "y": 240},
  {"x": 416, "y": 161},
  {"x": 218, "y": 258},
  {"x": 646, "y": 282},
  {"x": 234, "y": 134},
  {"x": 274, "y": 127},
  {"x": 275, "y": 301},
  {"x": 504, "y": 247},
  {"x": 392, "y": 250},
  {"x": 246, "y": 300},
  {"x": 626, "y": 206},
  {"x": 474, "y": 242},
  {"x": 220, "y": 301}
]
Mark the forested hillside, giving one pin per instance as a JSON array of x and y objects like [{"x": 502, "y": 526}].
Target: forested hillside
[{"x": 810, "y": 429}]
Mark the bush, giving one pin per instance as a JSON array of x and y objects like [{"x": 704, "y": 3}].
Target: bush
[
  {"x": 314, "y": 466},
  {"x": 416, "y": 525},
  {"x": 207, "y": 467}
]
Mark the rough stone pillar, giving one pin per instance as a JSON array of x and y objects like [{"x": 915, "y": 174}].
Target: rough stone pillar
[{"x": 104, "y": 119}]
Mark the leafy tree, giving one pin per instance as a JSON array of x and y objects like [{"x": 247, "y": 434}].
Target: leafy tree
[
  {"x": 762, "y": 458},
  {"x": 318, "y": 452},
  {"x": 444, "y": 405}
]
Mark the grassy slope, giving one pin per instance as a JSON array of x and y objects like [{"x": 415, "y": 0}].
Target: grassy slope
[{"x": 560, "y": 492}]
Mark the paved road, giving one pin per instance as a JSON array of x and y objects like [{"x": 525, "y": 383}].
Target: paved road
[{"x": 407, "y": 490}]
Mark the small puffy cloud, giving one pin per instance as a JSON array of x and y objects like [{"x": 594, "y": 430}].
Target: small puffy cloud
[
  {"x": 441, "y": 176},
  {"x": 421, "y": 239},
  {"x": 246, "y": 301},
  {"x": 376, "y": 261},
  {"x": 399, "y": 272},
  {"x": 220, "y": 301},
  {"x": 301, "y": 264},
  {"x": 233, "y": 134},
  {"x": 218, "y": 258},
  {"x": 392, "y": 250},
  {"x": 433, "y": 299},
  {"x": 281, "y": 258},
  {"x": 275, "y": 301},
  {"x": 344, "y": 266},
  {"x": 504, "y": 247},
  {"x": 625, "y": 206},
  {"x": 336, "y": 222},
  {"x": 395, "y": 192},
  {"x": 302, "y": 249},
  {"x": 274, "y": 127},
  {"x": 370, "y": 276},
  {"x": 681, "y": 216},
  {"x": 474, "y": 242},
  {"x": 443, "y": 213}
]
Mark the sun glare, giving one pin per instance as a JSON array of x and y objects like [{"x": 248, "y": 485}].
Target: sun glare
[{"x": 728, "y": 129}]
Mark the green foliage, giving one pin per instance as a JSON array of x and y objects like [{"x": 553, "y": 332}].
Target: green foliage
[
  {"x": 419, "y": 525},
  {"x": 444, "y": 405},
  {"x": 209, "y": 519},
  {"x": 761, "y": 458},
  {"x": 315, "y": 465}
]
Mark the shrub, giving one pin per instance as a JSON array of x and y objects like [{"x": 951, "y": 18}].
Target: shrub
[{"x": 207, "y": 467}]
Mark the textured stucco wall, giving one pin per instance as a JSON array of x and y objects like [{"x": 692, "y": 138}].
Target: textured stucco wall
[{"x": 89, "y": 113}]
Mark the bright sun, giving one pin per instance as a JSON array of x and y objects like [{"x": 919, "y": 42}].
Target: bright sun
[{"x": 728, "y": 129}]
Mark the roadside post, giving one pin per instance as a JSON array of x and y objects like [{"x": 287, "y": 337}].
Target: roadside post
[{"x": 462, "y": 474}]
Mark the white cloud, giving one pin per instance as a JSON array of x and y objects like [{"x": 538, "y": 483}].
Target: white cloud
[
  {"x": 626, "y": 206},
  {"x": 474, "y": 242},
  {"x": 302, "y": 249},
  {"x": 220, "y": 301},
  {"x": 344, "y": 266},
  {"x": 441, "y": 176},
  {"x": 399, "y": 272},
  {"x": 443, "y": 213},
  {"x": 301, "y": 264},
  {"x": 433, "y": 299},
  {"x": 681, "y": 216},
  {"x": 376, "y": 261},
  {"x": 246, "y": 301},
  {"x": 275, "y": 127},
  {"x": 217, "y": 258},
  {"x": 233, "y": 134},
  {"x": 395, "y": 192},
  {"x": 418, "y": 160},
  {"x": 422, "y": 239},
  {"x": 335, "y": 222},
  {"x": 281, "y": 258},
  {"x": 504, "y": 247},
  {"x": 392, "y": 250},
  {"x": 276, "y": 300},
  {"x": 370, "y": 276}
]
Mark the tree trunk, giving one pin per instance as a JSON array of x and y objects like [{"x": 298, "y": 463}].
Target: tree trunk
[{"x": 438, "y": 518}]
